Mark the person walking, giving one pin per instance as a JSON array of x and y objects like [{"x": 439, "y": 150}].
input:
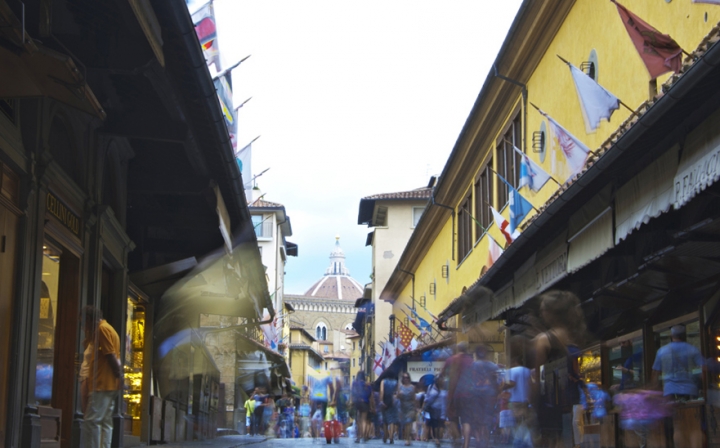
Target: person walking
[
  {"x": 407, "y": 411},
  {"x": 434, "y": 406},
  {"x": 674, "y": 364},
  {"x": 482, "y": 394},
  {"x": 388, "y": 389},
  {"x": 103, "y": 382},
  {"x": 249, "y": 415},
  {"x": 518, "y": 382},
  {"x": 361, "y": 397}
]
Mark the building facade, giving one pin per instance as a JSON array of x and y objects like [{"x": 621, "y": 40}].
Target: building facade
[
  {"x": 392, "y": 217},
  {"x": 107, "y": 199},
  {"x": 626, "y": 229}
]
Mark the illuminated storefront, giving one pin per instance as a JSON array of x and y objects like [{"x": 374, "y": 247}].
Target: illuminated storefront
[{"x": 134, "y": 363}]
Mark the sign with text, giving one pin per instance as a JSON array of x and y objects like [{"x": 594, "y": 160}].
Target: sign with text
[
  {"x": 418, "y": 369},
  {"x": 59, "y": 210}
]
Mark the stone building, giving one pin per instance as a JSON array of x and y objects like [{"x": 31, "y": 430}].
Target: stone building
[{"x": 327, "y": 311}]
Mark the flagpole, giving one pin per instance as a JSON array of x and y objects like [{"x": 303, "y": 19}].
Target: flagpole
[
  {"x": 508, "y": 184},
  {"x": 545, "y": 115},
  {"x": 242, "y": 104},
  {"x": 229, "y": 69},
  {"x": 522, "y": 153}
]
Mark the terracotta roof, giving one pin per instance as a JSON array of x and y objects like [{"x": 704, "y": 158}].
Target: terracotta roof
[
  {"x": 261, "y": 203},
  {"x": 418, "y": 193},
  {"x": 336, "y": 287}
]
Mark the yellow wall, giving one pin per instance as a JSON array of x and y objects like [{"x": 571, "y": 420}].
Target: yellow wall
[{"x": 591, "y": 24}]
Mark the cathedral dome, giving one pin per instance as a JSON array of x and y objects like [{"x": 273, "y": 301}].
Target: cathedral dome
[{"x": 336, "y": 283}]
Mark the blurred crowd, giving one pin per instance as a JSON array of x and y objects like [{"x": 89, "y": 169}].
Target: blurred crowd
[{"x": 537, "y": 398}]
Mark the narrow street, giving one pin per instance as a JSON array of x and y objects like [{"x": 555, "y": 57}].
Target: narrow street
[{"x": 261, "y": 442}]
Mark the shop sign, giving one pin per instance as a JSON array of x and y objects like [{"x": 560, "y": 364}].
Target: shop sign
[
  {"x": 696, "y": 176},
  {"x": 418, "y": 369},
  {"x": 59, "y": 210}
]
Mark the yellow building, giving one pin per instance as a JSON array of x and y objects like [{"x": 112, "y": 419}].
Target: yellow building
[
  {"x": 306, "y": 362},
  {"x": 631, "y": 230}
]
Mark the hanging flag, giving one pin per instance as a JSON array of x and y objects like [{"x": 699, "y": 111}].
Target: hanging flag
[
  {"x": 422, "y": 323},
  {"x": 576, "y": 153},
  {"x": 530, "y": 173},
  {"x": 596, "y": 102},
  {"x": 378, "y": 365},
  {"x": 405, "y": 336},
  {"x": 244, "y": 157},
  {"x": 389, "y": 354},
  {"x": 519, "y": 208},
  {"x": 204, "y": 21},
  {"x": 659, "y": 52},
  {"x": 494, "y": 251},
  {"x": 223, "y": 87},
  {"x": 503, "y": 225},
  {"x": 270, "y": 332},
  {"x": 414, "y": 344}
]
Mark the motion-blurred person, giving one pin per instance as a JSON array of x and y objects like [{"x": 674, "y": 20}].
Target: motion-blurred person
[
  {"x": 483, "y": 392},
  {"x": 320, "y": 392},
  {"x": 250, "y": 415},
  {"x": 674, "y": 364},
  {"x": 340, "y": 401},
  {"x": 455, "y": 365},
  {"x": 518, "y": 382},
  {"x": 434, "y": 407},
  {"x": 406, "y": 396},
  {"x": 361, "y": 396},
  {"x": 388, "y": 390},
  {"x": 304, "y": 411},
  {"x": 104, "y": 375},
  {"x": 565, "y": 331}
]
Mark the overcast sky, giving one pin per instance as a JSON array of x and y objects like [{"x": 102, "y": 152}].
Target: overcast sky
[{"x": 352, "y": 99}]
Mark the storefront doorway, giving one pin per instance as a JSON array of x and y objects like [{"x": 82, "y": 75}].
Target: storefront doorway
[{"x": 58, "y": 329}]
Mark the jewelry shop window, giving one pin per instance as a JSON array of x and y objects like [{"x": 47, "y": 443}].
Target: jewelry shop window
[
  {"x": 625, "y": 356},
  {"x": 134, "y": 346},
  {"x": 47, "y": 324}
]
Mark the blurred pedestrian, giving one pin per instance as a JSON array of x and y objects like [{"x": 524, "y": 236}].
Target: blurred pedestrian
[
  {"x": 388, "y": 389},
  {"x": 407, "y": 414},
  {"x": 459, "y": 409},
  {"x": 361, "y": 397},
  {"x": 434, "y": 408},
  {"x": 103, "y": 380},
  {"x": 249, "y": 415},
  {"x": 674, "y": 364},
  {"x": 565, "y": 331},
  {"x": 482, "y": 396}
]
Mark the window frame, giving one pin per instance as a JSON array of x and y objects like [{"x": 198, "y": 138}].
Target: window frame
[
  {"x": 464, "y": 228},
  {"x": 483, "y": 195},
  {"x": 507, "y": 161},
  {"x": 415, "y": 222}
]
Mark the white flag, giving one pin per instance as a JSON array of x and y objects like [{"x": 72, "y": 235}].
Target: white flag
[
  {"x": 530, "y": 173},
  {"x": 414, "y": 344},
  {"x": 595, "y": 101},
  {"x": 389, "y": 354},
  {"x": 378, "y": 366},
  {"x": 244, "y": 157},
  {"x": 575, "y": 151},
  {"x": 494, "y": 251}
]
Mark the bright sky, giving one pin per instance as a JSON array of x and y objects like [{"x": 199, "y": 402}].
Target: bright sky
[{"x": 352, "y": 99}]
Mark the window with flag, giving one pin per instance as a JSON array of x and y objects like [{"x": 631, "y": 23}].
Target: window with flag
[
  {"x": 508, "y": 160},
  {"x": 464, "y": 224},
  {"x": 483, "y": 198}
]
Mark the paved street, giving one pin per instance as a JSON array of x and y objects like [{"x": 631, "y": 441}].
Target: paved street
[{"x": 261, "y": 442}]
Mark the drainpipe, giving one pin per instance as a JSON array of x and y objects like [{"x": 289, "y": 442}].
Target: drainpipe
[
  {"x": 525, "y": 102},
  {"x": 452, "y": 210}
]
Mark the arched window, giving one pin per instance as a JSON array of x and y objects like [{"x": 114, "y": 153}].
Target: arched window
[{"x": 321, "y": 332}]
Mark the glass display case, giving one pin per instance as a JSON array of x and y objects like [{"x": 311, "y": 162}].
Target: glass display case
[
  {"x": 625, "y": 359},
  {"x": 590, "y": 365},
  {"x": 135, "y": 344}
]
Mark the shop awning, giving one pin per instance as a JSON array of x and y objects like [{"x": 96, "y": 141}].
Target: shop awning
[
  {"x": 646, "y": 196},
  {"x": 46, "y": 73}
]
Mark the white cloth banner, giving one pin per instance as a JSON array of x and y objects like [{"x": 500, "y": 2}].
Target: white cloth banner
[
  {"x": 646, "y": 196},
  {"x": 596, "y": 102},
  {"x": 244, "y": 159},
  {"x": 574, "y": 150},
  {"x": 530, "y": 173}
]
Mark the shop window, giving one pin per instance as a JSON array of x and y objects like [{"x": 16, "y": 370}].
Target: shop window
[
  {"x": 692, "y": 333},
  {"x": 464, "y": 229},
  {"x": 134, "y": 362},
  {"x": 625, "y": 356},
  {"x": 508, "y": 160},
  {"x": 483, "y": 198},
  {"x": 47, "y": 324}
]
